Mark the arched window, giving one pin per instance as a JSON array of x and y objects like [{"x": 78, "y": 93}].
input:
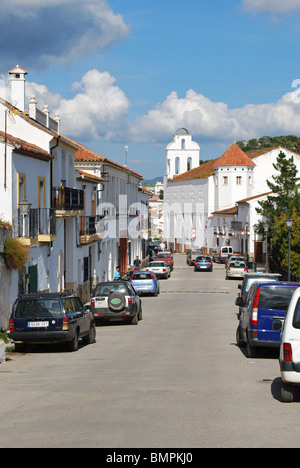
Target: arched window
[
  {"x": 183, "y": 143},
  {"x": 177, "y": 168}
]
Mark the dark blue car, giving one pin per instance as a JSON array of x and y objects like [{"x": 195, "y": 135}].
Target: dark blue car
[
  {"x": 263, "y": 314},
  {"x": 51, "y": 318}
]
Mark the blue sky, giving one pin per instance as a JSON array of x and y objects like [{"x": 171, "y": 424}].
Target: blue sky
[{"x": 133, "y": 72}]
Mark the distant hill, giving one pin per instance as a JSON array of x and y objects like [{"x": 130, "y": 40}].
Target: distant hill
[
  {"x": 153, "y": 181},
  {"x": 290, "y": 142}
]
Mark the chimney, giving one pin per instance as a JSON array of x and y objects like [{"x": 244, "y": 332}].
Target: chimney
[
  {"x": 32, "y": 107},
  {"x": 17, "y": 86}
]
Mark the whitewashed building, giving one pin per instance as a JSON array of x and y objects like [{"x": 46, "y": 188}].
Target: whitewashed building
[
  {"x": 74, "y": 239},
  {"x": 215, "y": 203}
]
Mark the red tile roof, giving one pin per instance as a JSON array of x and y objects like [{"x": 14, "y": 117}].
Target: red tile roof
[{"x": 234, "y": 156}]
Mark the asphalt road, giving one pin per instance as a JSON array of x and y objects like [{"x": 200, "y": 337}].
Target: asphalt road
[{"x": 176, "y": 380}]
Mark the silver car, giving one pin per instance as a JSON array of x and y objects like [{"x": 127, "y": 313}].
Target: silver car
[
  {"x": 160, "y": 269},
  {"x": 236, "y": 270},
  {"x": 116, "y": 300}
]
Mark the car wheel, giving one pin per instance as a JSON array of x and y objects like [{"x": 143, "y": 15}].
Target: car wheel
[
  {"x": 134, "y": 320},
  {"x": 140, "y": 314},
  {"x": 287, "y": 392},
  {"x": 73, "y": 345},
  {"x": 239, "y": 340},
  {"x": 91, "y": 337},
  {"x": 252, "y": 351}
]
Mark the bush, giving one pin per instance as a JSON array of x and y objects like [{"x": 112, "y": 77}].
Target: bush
[{"x": 16, "y": 254}]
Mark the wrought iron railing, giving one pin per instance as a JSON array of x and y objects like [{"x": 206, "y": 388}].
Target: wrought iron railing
[
  {"x": 37, "y": 222},
  {"x": 68, "y": 199}
]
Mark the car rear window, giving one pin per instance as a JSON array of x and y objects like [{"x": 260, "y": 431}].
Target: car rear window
[
  {"x": 38, "y": 308},
  {"x": 163, "y": 256},
  {"x": 237, "y": 265},
  {"x": 275, "y": 297},
  {"x": 157, "y": 264},
  {"x": 107, "y": 289},
  {"x": 203, "y": 259},
  {"x": 141, "y": 276},
  {"x": 250, "y": 281},
  {"x": 296, "y": 318}
]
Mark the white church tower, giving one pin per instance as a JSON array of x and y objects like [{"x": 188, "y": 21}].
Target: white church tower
[{"x": 182, "y": 154}]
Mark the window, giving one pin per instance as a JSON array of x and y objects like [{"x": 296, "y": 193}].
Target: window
[
  {"x": 238, "y": 180},
  {"x": 225, "y": 180}
]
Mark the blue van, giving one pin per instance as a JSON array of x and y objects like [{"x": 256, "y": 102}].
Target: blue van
[{"x": 263, "y": 314}]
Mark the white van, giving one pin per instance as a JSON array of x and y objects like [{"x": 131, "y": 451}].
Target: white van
[
  {"x": 289, "y": 357},
  {"x": 221, "y": 253}
]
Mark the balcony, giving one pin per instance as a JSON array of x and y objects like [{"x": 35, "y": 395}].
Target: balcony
[
  {"x": 91, "y": 229},
  {"x": 39, "y": 225},
  {"x": 68, "y": 201}
]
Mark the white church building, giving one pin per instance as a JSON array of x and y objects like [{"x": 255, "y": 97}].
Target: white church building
[{"x": 214, "y": 203}]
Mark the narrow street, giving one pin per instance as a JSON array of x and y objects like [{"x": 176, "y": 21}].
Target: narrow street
[{"x": 175, "y": 380}]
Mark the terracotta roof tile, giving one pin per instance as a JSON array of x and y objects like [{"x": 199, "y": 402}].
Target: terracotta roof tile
[
  {"x": 200, "y": 172},
  {"x": 234, "y": 156}
]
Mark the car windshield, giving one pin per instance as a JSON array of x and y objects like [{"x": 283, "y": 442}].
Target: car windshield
[
  {"x": 157, "y": 264},
  {"x": 275, "y": 297},
  {"x": 141, "y": 276},
  {"x": 38, "y": 308},
  {"x": 107, "y": 289}
]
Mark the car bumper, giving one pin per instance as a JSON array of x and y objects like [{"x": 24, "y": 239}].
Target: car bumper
[
  {"x": 105, "y": 314},
  {"x": 41, "y": 337},
  {"x": 203, "y": 268},
  {"x": 254, "y": 341},
  {"x": 290, "y": 371}
]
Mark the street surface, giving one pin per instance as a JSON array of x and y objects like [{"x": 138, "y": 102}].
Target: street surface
[{"x": 176, "y": 380}]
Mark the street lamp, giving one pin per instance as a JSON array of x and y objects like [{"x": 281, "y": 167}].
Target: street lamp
[
  {"x": 267, "y": 254},
  {"x": 24, "y": 207},
  {"x": 289, "y": 225},
  {"x": 255, "y": 231}
]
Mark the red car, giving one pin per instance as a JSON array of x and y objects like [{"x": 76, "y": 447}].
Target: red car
[{"x": 167, "y": 258}]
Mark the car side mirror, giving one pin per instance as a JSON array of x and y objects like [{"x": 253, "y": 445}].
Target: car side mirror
[{"x": 239, "y": 302}]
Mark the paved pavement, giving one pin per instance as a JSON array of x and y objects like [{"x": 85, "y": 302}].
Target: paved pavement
[{"x": 175, "y": 380}]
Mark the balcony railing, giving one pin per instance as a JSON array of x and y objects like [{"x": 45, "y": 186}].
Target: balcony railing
[
  {"x": 68, "y": 199},
  {"x": 91, "y": 228},
  {"x": 39, "y": 224}
]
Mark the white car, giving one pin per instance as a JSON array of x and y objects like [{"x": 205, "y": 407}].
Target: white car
[
  {"x": 160, "y": 269},
  {"x": 289, "y": 358}
]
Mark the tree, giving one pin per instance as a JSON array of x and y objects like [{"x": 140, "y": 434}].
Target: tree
[{"x": 284, "y": 202}]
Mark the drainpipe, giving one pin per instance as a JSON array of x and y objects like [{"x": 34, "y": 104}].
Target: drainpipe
[{"x": 51, "y": 170}]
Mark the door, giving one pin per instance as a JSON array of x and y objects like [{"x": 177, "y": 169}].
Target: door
[{"x": 33, "y": 279}]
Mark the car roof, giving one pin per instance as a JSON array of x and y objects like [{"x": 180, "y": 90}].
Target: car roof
[
  {"x": 45, "y": 295},
  {"x": 277, "y": 285}
]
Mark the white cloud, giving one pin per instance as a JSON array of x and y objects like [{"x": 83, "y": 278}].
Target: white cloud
[
  {"x": 42, "y": 32},
  {"x": 215, "y": 121},
  {"x": 271, "y": 6},
  {"x": 99, "y": 110}
]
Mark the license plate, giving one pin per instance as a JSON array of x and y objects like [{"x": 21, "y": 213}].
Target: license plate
[
  {"x": 203, "y": 267},
  {"x": 38, "y": 324}
]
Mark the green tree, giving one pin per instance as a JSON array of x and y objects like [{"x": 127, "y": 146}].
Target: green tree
[{"x": 281, "y": 204}]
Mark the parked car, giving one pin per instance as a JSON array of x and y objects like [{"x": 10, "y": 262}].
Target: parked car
[
  {"x": 289, "y": 357},
  {"x": 166, "y": 257},
  {"x": 261, "y": 318},
  {"x": 145, "y": 282},
  {"x": 160, "y": 269},
  {"x": 51, "y": 318},
  {"x": 234, "y": 258},
  {"x": 116, "y": 300},
  {"x": 203, "y": 263},
  {"x": 249, "y": 279},
  {"x": 221, "y": 253},
  {"x": 192, "y": 255},
  {"x": 236, "y": 269}
]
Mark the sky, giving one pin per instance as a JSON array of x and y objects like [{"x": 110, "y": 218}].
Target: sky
[{"x": 130, "y": 73}]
